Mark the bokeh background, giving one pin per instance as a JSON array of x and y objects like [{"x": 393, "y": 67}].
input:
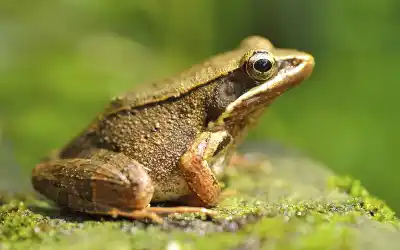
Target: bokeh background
[{"x": 62, "y": 60}]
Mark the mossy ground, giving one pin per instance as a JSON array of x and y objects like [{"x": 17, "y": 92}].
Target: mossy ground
[{"x": 273, "y": 206}]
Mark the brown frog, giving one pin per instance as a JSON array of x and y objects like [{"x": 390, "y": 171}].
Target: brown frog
[{"x": 172, "y": 140}]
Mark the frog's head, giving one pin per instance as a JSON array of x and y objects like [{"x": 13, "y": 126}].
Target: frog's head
[{"x": 264, "y": 73}]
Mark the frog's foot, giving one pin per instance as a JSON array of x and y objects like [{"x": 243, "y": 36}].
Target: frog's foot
[
  {"x": 135, "y": 214},
  {"x": 152, "y": 213},
  {"x": 180, "y": 210}
]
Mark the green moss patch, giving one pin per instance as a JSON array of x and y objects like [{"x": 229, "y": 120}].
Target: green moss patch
[
  {"x": 272, "y": 209},
  {"x": 363, "y": 201}
]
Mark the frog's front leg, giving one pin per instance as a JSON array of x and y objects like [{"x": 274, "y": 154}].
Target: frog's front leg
[
  {"x": 201, "y": 163},
  {"x": 107, "y": 183}
]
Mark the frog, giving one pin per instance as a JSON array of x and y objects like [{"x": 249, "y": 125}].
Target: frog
[{"x": 171, "y": 140}]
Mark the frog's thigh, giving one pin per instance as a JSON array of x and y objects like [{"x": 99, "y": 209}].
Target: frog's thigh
[
  {"x": 95, "y": 185},
  {"x": 195, "y": 165}
]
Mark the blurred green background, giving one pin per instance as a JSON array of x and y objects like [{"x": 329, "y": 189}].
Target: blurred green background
[{"x": 61, "y": 61}]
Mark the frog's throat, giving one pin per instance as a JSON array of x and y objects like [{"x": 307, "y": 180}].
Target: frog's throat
[{"x": 291, "y": 71}]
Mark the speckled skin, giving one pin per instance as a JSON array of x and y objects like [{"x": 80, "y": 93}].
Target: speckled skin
[
  {"x": 155, "y": 135},
  {"x": 158, "y": 135},
  {"x": 135, "y": 147}
]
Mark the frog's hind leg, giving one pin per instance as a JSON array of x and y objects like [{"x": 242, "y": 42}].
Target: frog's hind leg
[{"x": 108, "y": 183}]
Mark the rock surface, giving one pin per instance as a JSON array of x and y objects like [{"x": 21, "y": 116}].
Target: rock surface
[{"x": 278, "y": 200}]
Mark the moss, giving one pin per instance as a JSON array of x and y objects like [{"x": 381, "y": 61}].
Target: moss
[
  {"x": 266, "y": 210},
  {"x": 19, "y": 223},
  {"x": 362, "y": 200},
  {"x": 21, "y": 227}
]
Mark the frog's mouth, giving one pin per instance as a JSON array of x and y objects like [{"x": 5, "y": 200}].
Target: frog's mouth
[{"x": 293, "y": 68}]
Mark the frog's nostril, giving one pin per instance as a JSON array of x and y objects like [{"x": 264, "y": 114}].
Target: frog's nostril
[
  {"x": 289, "y": 63},
  {"x": 296, "y": 62}
]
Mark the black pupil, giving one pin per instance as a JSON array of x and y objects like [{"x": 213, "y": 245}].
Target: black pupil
[{"x": 262, "y": 65}]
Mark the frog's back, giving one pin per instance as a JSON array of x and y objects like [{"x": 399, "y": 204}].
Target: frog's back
[{"x": 196, "y": 76}]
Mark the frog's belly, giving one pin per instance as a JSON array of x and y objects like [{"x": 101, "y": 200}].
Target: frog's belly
[{"x": 170, "y": 189}]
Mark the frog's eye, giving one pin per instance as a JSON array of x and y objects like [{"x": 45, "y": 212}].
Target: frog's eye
[{"x": 261, "y": 66}]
